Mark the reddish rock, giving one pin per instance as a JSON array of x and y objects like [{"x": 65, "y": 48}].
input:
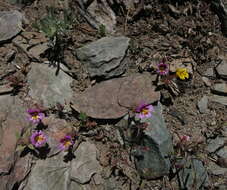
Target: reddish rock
[
  {"x": 113, "y": 98},
  {"x": 136, "y": 89},
  {"x": 13, "y": 120},
  {"x": 100, "y": 101},
  {"x": 17, "y": 174}
]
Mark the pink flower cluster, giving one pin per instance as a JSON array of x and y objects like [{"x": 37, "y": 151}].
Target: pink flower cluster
[{"x": 39, "y": 138}]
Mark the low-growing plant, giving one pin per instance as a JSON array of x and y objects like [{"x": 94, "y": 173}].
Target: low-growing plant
[
  {"x": 102, "y": 30},
  {"x": 56, "y": 27}
]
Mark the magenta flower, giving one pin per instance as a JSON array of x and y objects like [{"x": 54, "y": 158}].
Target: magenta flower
[
  {"x": 185, "y": 138},
  {"x": 163, "y": 69},
  {"x": 144, "y": 111},
  {"x": 35, "y": 115},
  {"x": 66, "y": 142},
  {"x": 38, "y": 139}
]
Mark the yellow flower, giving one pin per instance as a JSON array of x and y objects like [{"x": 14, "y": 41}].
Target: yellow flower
[{"x": 182, "y": 73}]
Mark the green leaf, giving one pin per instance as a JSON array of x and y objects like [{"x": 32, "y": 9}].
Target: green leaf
[
  {"x": 83, "y": 116},
  {"x": 20, "y": 148},
  {"x": 30, "y": 146}
]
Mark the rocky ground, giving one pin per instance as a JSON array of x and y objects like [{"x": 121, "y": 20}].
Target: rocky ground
[{"x": 86, "y": 65}]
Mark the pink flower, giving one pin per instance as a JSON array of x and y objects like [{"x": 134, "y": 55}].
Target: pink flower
[
  {"x": 35, "y": 115},
  {"x": 163, "y": 69},
  {"x": 185, "y": 138},
  {"x": 144, "y": 111},
  {"x": 66, "y": 142},
  {"x": 38, "y": 139}
]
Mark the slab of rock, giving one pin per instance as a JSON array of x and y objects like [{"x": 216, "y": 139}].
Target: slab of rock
[
  {"x": 76, "y": 186},
  {"x": 222, "y": 69},
  {"x": 215, "y": 144},
  {"x": 52, "y": 173},
  {"x": 222, "y": 152},
  {"x": 153, "y": 163},
  {"x": 98, "y": 13},
  {"x": 12, "y": 121},
  {"x": 216, "y": 170},
  {"x": 135, "y": 89},
  {"x": 105, "y": 57},
  {"x": 193, "y": 176},
  {"x": 202, "y": 104},
  {"x": 47, "y": 88},
  {"x": 220, "y": 88},
  {"x": 206, "y": 81},
  {"x": 219, "y": 99},
  {"x": 113, "y": 98},
  {"x": 85, "y": 164},
  {"x": 34, "y": 44},
  {"x": 5, "y": 89},
  {"x": 209, "y": 73},
  {"x": 17, "y": 174},
  {"x": 10, "y": 24}
]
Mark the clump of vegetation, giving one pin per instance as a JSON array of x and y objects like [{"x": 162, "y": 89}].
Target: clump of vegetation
[
  {"x": 102, "y": 30},
  {"x": 56, "y": 27}
]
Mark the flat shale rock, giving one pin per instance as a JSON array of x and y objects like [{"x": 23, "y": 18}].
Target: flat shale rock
[
  {"x": 98, "y": 12},
  {"x": 17, "y": 174},
  {"x": 111, "y": 99},
  {"x": 222, "y": 69},
  {"x": 85, "y": 164},
  {"x": 135, "y": 89},
  {"x": 47, "y": 88},
  {"x": 203, "y": 104},
  {"x": 51, "y": 173},
  {"x": 105, "y": 57},
  {"x": 193, "y": 175},
  {"x": 33, "y": 44},
  {"x": 153, "y": 163},
  {"x": 219, "y": 99},
  {"x": 10, "y": 24},
  {"x": 12, "y": 121},
  {"x": 216, "y": 170},
  {"x": 220, "y": 88}
]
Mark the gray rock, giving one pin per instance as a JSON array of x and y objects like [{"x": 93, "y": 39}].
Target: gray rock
[
  {"x": 10, "y": 24},
  {"x": 46, "y": 87},
  {"x": 214, "y": 144},
  {"x": 209, "y": 73},
  {"x": 193, "y": 176},
  {"x": 113, "y": 98},
  {"x": 222, "y": 69},
  {"x": 219, "y": 99},
  {"x": 220, "y": 88},
  {"x": 51, "y": 173},
  {"x": 76, "y": 186},
  {"x": 33, "y": 44},
  {"x": 153, "y": 163},
  {"x": 85, "y": 164},
  {"x": 12, "y": 121},
  {"x": 98, "y": 13},
  {"x": 215, "y": 169},
  {"x": 222, "y": 152},
  {"x": 206, "y": 81},
  {"x": 105, "y": 57},
  {"x": 202, "y": 104}
]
